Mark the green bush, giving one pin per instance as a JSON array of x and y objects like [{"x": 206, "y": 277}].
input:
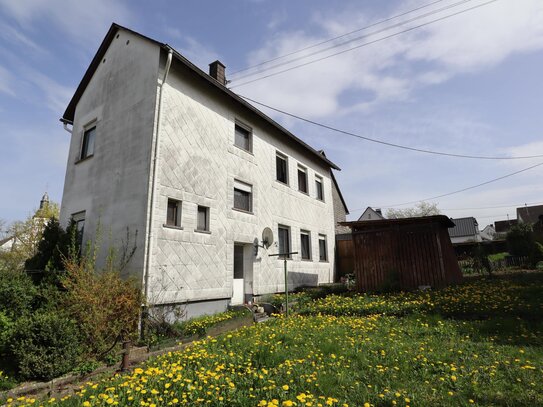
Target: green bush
[
  {"x": 6, "y": 329},
  {"x": 17, "y": 293},
  {"x": 44, "y": 346}
]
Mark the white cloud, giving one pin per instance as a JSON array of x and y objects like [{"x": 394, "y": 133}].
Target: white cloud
[
  {"x": 199, "y": 54},
  {"x": 6, "y": 79},
  {"x": 82, "y": 21},
  {"x": 393, "y": 68}
]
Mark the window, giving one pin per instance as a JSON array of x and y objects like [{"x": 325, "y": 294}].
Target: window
[
  {"x": 323, "y": 253},
  {"x": 238, "y": 261},
  {"x": 243, "y": 196},
  {"x": 281, "y": 168},
  {"x": 87, "y": 149},
  {"x": 243, "y": 137},
  {"x": 203, "y": 219},
  {"x": 284, "y": 241},
  {"x": 302, "y": 179},
  {"x": 79, "y": 221},
  {"x": 305, "y": 245},
  {"x": 318, "y": 188},
  {"x": 173, "y": 216}
]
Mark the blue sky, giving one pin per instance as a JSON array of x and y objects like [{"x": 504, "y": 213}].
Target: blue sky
[{"x": 469, "y": 84}]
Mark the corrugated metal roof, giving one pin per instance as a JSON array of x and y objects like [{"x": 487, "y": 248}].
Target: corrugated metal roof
[{"x": 464, "y": 227}]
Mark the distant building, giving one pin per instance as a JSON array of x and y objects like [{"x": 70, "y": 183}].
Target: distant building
[
  {"x": 465, "y": 230},
  {"x": 530, "y": 214},
  {"x": 371, "y": 214},
  {"x": 503, "y": 226},
  {"x": 488, "y": 233}
]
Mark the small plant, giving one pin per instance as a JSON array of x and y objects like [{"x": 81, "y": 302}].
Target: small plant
[{"x": 86, "y": 367}]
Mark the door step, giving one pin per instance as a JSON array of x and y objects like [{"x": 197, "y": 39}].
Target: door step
[{"x": 260, "y": 317}]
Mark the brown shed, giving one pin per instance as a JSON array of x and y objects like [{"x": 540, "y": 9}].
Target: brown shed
[{"x": 404, "y": 253}]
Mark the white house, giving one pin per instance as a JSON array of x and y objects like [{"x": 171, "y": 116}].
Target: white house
[
  {"x": 371, "y": 214},
  {"x": 164, "y": 149},
  {"x": 465, "y": 230}
]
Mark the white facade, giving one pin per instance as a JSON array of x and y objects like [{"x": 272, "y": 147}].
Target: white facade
[{"x": 193, "y": 125}]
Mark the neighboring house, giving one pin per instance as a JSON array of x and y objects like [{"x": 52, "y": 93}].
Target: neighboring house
[
  {"x": 465, "y": 230},
  {"x": 488, "y": 233},
  {"x": 371, "y": 214},
  {"x": 162, "y": 148},
  {"x": 340, "y": 207},
  {"x": 530, "y": 214},
  {"x": 7, "y": 243}
]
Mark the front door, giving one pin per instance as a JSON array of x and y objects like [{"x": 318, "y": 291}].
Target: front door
[{"x": 238, "y": 282}]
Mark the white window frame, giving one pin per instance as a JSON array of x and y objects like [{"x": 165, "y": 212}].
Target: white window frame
[
  {"x": 308, "y": 234},
  {"x": 179, "y": 210},
  {"x": 244, "y": 187},
  {"x": 86, "y": 129},
  {"x": 250, "y": 140},
  {"x": 207, "y": 211},
  {"x": 319, "y": 180},
  {"x": 303, "y": 169},
  {"x": 323, "y": 237},
  {"x": 284, "y": 157}
]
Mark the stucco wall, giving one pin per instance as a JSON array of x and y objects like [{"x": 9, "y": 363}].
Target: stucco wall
[
  {"x": 339, "y": 212},
  {"x": 198, "y": 163},
  {"x": 112, "y": 185}
]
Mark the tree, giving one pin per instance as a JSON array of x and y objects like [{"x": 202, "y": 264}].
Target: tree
[
  {"x": 420, "y": 209},
  {"x": 27, "y": 234}
]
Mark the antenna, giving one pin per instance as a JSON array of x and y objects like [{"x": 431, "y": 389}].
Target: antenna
[{"x": 267, "y": 240}]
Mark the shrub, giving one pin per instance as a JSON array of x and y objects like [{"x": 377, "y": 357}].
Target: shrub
[
  {"x": 105, "y": 306},
  {"x": 44, "y": 346},
  {"x": 17, "y": 293},
  {"x": 6, "y": 329}
]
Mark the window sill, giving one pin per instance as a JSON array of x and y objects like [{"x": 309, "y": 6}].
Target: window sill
[
  {"x": 172, "y": 227},
  {"x": 282, "y": 183},
  {"x": 207, "y": 232},
  {"x": 308, "y": 260},
  {"x": 320, "y": 200},
  {"x": 243, "y": 211},
  {"x": 303, "y": 192},
  {"x": 84, "y": 159},
  {"x": 323, "y": 261},
  {"x": 244, "y": 150}
]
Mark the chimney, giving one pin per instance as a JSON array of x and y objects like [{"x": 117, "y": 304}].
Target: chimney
[
  {"x": 378, "y": 210},
  {"x": 217, "y": 72}
]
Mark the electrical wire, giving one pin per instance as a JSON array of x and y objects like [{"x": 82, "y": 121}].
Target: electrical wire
[
  {"x": 278, "y": 65},
  {"x": 518, "y": 205},
  {"x": 336, "y": 38},
  {"x": 465, "y": 189},
  {"x": 364, "y": 44},
  {"x": 386, "y": 143}
]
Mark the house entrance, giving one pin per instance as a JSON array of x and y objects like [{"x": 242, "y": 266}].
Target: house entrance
[{"x": 242, "y": 281}]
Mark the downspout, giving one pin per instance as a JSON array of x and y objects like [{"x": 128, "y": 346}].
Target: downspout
[
  {"x": 154, "y": 178},
  {"x": 66, "y": 127}
]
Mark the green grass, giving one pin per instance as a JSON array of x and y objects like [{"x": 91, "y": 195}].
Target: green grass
[{"x": 476, "y": 344}]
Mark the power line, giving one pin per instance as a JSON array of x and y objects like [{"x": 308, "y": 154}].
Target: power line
[
  {"x": 278, "y": 65},
  {"x": 335, "y": 38},
  {"x": 465, "y": 189},
  {"x": 463, "y": 209},
  {"x": 386, "y": 143},
  {"x": 365, "y": 44}
]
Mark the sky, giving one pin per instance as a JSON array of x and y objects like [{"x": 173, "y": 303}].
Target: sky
[{"x": 469, "y": 84}]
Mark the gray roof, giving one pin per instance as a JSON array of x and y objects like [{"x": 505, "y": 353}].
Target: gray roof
[
  {"x": 464, "y": 227},
  {"x": 530, "y": 214}
]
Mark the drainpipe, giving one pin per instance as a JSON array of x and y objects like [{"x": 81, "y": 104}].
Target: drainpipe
[
  {"x": 66, "y": 127},
  {"x": 153, "y": 181}
]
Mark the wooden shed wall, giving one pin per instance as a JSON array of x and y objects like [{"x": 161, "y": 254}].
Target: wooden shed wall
[{"x": 404, "y": 256}]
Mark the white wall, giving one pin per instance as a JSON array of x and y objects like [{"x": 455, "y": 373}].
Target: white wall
[
  {"x": 198, "y": 165},
  {"x": 112, "y": 185}
]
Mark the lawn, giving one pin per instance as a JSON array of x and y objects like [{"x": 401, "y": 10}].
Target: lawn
[{"x": 476, "y": 344}]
